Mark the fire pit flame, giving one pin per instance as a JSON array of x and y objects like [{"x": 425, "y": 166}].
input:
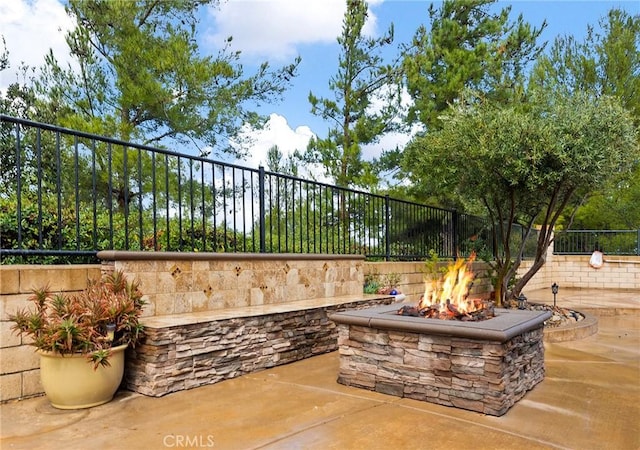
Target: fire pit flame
[{"x": 447, "y": 298}]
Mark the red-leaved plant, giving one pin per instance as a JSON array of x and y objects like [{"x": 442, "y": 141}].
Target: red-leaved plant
[{"x": 104, "y": 315}]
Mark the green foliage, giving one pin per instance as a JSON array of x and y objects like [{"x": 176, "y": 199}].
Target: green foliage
[
  {"x": 41, "y": 228},
  {"x": 434, "y": 268},
  {"x": 524, "y": 162},
  {"x": 372, "y": 282},
  {"x": 276, "y": 162},
  {"x": 68, "y": 324},
  {"x": 466, "y": 47},
  {"x": 391, "y": 279},
  {"x": 88, "y": 228},
  {"x": 376, "y": 283},
  {"x": 140, "y": 76},
  {"x": 616, "y": 207},
  {"x": 607, "y": 62}
]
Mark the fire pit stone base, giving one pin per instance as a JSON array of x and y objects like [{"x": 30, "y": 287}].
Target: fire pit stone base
[{"x": 484, "y": 376}]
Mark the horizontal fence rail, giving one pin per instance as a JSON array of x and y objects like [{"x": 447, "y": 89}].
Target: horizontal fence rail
[
  {"x": 65, "y": 195},
  {"x": 585, "y": 242}
]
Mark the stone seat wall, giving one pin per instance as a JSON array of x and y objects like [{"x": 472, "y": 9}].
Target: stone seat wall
[
  {"x": 184, "y": 351},
  {"x": 213, "y": 316}
]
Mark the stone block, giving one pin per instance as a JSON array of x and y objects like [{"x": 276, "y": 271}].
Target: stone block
[
  {"x": 9, "y": 280},
  {"x": 182, "y": 303},
  {"x": 18, "y": 359},
  {"x": 148, "y": 283},
  {"x": 396, "y": 389},
  {"x": 184, "y": 282},
  {"x": 219, "y": 280},
  {"x": 199, "y": 302},
  {"x": 10, "y": 387},
  {"x": 34, "y": 277},
  {"x": 31, "y": 384},
  {"x": 149, "y": 308},
  {"x": 469, "y": 377},
  {"x": 174, "y": 358},
  {"x": 8, "y": 338},
  {"x": 373, "y": 337},
  {"x": 165, "y": 283},
  {"x": 10, "y": 304},
  {"x": 467, "y": 361},
  {"x": 463, "y": 403},
  {"x": 163, "y": 304}
]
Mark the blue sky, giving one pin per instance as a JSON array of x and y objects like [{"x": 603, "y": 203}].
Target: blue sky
[
  {"x": 319, "y": 62},
  {"x": 277, "y": 31}
]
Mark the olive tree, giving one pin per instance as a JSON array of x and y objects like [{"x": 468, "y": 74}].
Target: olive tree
[{"x": 523, "y": 163}]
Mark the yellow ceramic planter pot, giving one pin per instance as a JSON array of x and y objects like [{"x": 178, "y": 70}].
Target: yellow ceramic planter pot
[{"x": 70, "y": 381}]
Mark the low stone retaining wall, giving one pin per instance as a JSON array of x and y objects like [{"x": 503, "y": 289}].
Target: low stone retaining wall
[
  {"x": 203, "y": 308},
  {"x": 578, "y": 330},
  {"x": 574, "y": 271},
  {"x": 213, "y": 316},
  {"x": 190, "y": 350}
]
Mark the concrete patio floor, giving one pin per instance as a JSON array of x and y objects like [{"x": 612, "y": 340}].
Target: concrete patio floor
[{"x": 590, "y": 399}]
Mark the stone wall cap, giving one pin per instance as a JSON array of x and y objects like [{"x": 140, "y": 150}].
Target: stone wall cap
[
  {"x": 184, "y": 319},
  {"x": 122, "y": 255},
  {"x": 505, "y": 325}
]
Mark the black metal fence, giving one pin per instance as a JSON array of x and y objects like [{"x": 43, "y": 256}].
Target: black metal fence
[
  {"x": 585, "y": 242},
  {"x": 64, "y": 195}
]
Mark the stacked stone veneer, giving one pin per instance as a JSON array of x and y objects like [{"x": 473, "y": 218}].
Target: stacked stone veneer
[
  {"x": 483, "y": 376},
  {"x": 174, "y": 358},
  {"x": 182, "y": 288}
]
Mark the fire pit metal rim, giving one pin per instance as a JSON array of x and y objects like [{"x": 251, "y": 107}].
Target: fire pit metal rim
[{"x": 505, "y": 325}]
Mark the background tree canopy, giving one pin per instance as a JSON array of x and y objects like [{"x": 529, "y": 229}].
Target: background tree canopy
[
  {"x": 138, "y": 76},
  {"x": 141, "y": 77},
  {"x": 605, "y": 63}
]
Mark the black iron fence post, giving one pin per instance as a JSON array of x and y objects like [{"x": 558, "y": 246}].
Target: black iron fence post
[
  {"x": 387, "y": 233},
  {"x": 19, "y": 186},
  {"x": 454, "y": 234},
  {"x": 261, "y": 210}
]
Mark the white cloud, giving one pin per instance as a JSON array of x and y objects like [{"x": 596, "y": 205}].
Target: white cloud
[
  {"x": 30, "y": 28},
  {"x": 276, "y": 132},
  {"x": 274, "y": 28},
  {"x": 391, "y": 140}
]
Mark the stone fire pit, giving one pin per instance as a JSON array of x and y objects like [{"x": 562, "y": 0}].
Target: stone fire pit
[{"x": 484, "y": 366}]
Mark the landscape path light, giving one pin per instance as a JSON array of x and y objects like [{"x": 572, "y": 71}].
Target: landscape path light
[{"x": 522, "y": 301}]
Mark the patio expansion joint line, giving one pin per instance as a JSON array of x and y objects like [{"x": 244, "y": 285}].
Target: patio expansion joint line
[
  {"x": 391, "y": 400},
  {"x": 489, "y": 427},
  {"x": 321, "y": 423},
  {"x": 398, "y": 402}
]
